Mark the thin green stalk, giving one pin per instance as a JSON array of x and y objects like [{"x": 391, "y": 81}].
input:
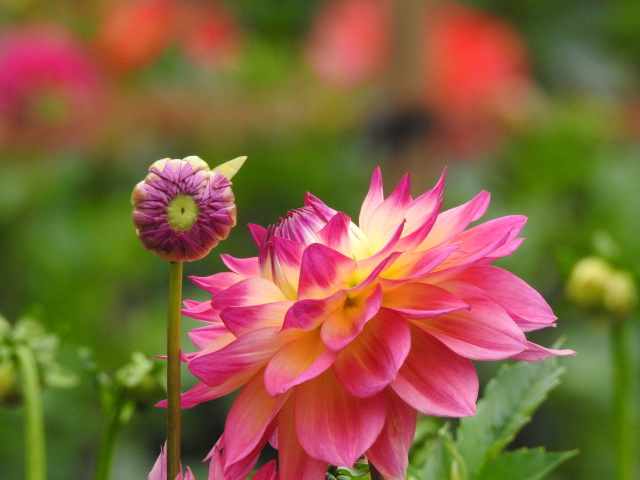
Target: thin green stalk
[
  {"x": 374, "y": 473},
  {"x": 107, "y": 446},
  {"x": 623, "y": 409},
  {"x": 35, "y": 451},
  {"x": 173, "y": 370}
]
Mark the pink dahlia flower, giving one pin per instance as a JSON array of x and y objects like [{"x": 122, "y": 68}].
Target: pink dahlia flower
[
  {"x": 340, "y": 333},
  {"x": 182, "y": 209}
]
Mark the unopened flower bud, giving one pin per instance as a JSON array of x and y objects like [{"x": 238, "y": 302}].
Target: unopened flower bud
[
  {"x": 595, "y": 285},
  {"x": 183, "y": 209}
]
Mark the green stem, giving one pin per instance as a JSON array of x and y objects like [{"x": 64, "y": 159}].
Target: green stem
[
  {"x": 173, "y": 370},
  {"x": 107, "y": 446},
  {"x": 623, "y": 408},
  {"x": 374, "y": 473},
  {"x": 35, "y": 451}
]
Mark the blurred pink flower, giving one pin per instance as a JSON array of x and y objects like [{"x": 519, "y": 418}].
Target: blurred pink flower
[
  {"x": 159, "y": 471},
  {"x": 340, "y": 333},
  {"x": 51, "y": 92},
  {"x": 182, "y": 209}
]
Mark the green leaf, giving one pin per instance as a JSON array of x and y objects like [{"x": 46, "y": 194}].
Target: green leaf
[
  {"x": 444, "y": 461},
  {"x": 507, "y": 405},
  {"x": 523, "y": 464}
]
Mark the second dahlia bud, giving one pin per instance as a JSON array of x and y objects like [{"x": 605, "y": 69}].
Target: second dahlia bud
[{"x": 182, "y": 209}]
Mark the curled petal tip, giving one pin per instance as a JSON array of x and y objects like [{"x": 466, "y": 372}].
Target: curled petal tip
[{"x": 230, "y": 168}]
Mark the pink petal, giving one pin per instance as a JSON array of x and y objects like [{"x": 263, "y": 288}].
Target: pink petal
[
  {"x": 309, "y": 314},
  {"x": 251, "y": 419},
  {"x": 373, "y": 275},
  {"x": 344, "y": 324},
  {"x": 486, "y": 332},
  {"x": 390, "y": 452},
  {"x": 251, "y": 291},
  {"x": 367, "y": 365},
  {"x": 202, "y": 392},
  {"x": 436, "y": 381},
  {"x": 203, "y": 311},
  {"x": 319, "y": 207},
  {"x": 249, "y": 352},
  {"x": 323, "y": 271},
  {"x": 374, "y": 197},
  {"x": 257, "y": 233},
  {"x": 293, "y": 461},
  {"x": 218, "y": 282},
  {"x": 203, "y": 336},
  {"x": 422, "y": 209},
  {"x": 390, "y": 212},
  {"x": 247, "y": 267},
  {"x": 280, "y": 261},
  {"x": 520, "y": 300},
  {"x": 415, "y": 265},
  {"x": 221, "y": 469},
  {"x": 267, "y": 472},
  {"x": 241, "y": 320},
  {"x": 335, "y": 234},
  {"x": 421, "y": 300},
  {"x": 451, "y": 222},
  {"x": 534, "y": 353},
  {"x": 333, "y": 425},
  {"x": 296, "y": 362}
]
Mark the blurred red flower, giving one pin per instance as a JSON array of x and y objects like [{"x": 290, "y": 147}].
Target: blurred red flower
[
  {"x": 475, "y": 67},
  {"x": 51, "y": 92},
  {"x": 135, "y": 33}
]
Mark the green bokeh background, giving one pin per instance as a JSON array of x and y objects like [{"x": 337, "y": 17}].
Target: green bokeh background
[{"x": 68, "y": 245}]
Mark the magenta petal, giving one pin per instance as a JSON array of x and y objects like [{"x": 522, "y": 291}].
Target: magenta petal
[
  {"x": 280, "y": 261},
  {"x": 309, "y": 314},
  {"x": 293, "y": 461},
  {"x": 344, "y": 324},
  {"x": 390, "y": 212},
  {"x": 333, "y": 425},
  {"x": 267, "y": 472},
  {"x": 451, "y": 222},
  {"x": 203, "y": 336},
  {"x": 241, "y": 320},
  {"x": 247, "y": 267},
  {"x": 249, "y": 352},
  {"x": 436, "y": 381},
  {"x": 485, "y": 332},
  {"x": 218, "y": 282},
  {"x": 534, "y": 353},
  {"x": 421, "y": 300},
  {"x": 251, "y": 291},
  {"x": 221, "y": 469},
  {"x": 335, "y": 234},
  {"x": 202, "y": 392},
  {"x": 203, "y": 311},
  {"x": 251, "y": 419},
  {"x": 367, "y": 365},
  {"x": 520, "y": 300},
  {"x": 390, "y": 452},
  {"x": 374, "y": 197},
  {"x": 296, "y": 362},
  {"x": 323, "y": 270},
  {"x": 257, "y": 233}
]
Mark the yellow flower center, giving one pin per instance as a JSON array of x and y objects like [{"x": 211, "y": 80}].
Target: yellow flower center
[{"x": 182, "y": 212}]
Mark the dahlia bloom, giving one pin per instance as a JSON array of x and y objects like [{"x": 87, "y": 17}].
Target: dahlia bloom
[
  {"x": 182, "y": 209},
  {"x": 340, "y": 333}
]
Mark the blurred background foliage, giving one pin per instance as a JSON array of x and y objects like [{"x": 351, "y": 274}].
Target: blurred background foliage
[{"x": 537, "y": 102}]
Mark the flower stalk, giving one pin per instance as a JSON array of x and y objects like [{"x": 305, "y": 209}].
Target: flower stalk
[
  {"x": 623, "y": 401},
  {"x": 107, "y": 446},
  {"x": 173, "y": 370},
  {"x": 35, "y": 451},
  {"x": 374, "y": 473}
]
